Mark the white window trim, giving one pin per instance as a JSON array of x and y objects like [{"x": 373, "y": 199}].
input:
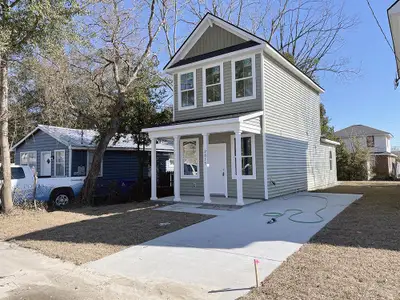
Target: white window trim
[
  {"x": 253, "y": 156},
  {"x": 180, "y": 107},
  {"x": 221, "y": 68},
  {"x": 87, "y": 164},
  {"x": 23, "y": 152},
  {"x": 253, "y": 73},
  {"x": 55, "y": 163},
  {"x": 198, "y": 159}
]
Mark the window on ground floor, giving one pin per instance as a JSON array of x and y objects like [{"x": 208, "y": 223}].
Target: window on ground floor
[
  {"x": 59, "y": 163},
  {"x": 330, "y": 160},
  {"x": 29, "y": 158},
  {"x": 190, "y": 158},
  {"x": 248, "y": 156},
  {"x": 90, "y": 155}
]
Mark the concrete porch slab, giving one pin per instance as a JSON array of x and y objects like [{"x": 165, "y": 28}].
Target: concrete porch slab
[{"x": 217, "y": 255}]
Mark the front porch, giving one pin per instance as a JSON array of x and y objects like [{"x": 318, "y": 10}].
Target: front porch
[
  {"x": 206, "y": 153},
  {"x": 214, "y": 200}
]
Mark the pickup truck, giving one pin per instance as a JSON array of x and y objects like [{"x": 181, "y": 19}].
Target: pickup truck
[{"x": 58, "y": 192}]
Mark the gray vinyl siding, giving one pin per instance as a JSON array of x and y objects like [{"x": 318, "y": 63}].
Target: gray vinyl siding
[
  {"x": 38, "y": 142},
  {"x": 252, "y": 188},
  {"x": 321, "y": 176},
  {"x": 228, "y": 107},
  {"x": 214, "y": 38},
  {"x": 292, "y": 132}
]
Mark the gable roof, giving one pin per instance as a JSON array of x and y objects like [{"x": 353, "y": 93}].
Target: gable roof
[
  {"x": 360, "y": 130},
  {"x": 210, "y": 19},
  {"x": 86, "y": 138}
]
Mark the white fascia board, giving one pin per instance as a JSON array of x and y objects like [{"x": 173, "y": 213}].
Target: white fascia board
[
  {"x": 219, "y": 58},
  {"x": 250, "y": 128},
  {"x": 279, "y": 58},
  {"x": 251, "y": 116},
  {"x": 326, "y": 141}
]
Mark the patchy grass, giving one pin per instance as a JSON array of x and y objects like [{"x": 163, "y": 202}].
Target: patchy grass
[
  {"x": 90, "y": 233},
  {"x": 356, "y": 256}
]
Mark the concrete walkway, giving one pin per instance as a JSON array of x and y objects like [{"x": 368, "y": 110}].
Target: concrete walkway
[
  {"x": 217, "y": 255},
  {"x": 29, "y": 275}
]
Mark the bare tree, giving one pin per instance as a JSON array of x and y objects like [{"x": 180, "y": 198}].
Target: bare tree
[
  {"x": 119, "y": 52},
  {"x": 307, "y": 32}
]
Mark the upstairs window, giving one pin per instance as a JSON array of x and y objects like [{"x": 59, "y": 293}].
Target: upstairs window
[
  {"x": 370, "y": 141},
  {"x": 187, "y": 90},
  {"x": 244, "y": 82},
  {"x": 213, "y": 85}
]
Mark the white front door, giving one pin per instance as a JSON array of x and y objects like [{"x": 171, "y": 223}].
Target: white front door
[
  {"x": 216, "y": 158},
  {"x": 45, "y": 163}
]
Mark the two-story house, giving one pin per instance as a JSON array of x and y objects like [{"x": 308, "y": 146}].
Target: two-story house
[
  {"x": 239, "y": 104},
  {"x": 382, "y": 160}
]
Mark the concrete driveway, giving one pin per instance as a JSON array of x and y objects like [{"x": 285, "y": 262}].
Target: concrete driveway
[{"x": 216, "y": 256}]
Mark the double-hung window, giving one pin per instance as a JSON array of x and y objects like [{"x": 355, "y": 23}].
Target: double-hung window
[
  {"x": 90, "y": 155},
  {"x": 190, "y": 158},
  {"x": 213, "y": 85},
  {"x": 244, "y": 81},
  {"x": 29, "y": 159},
  {"x": 187, "y": 90},
  {"x": 59, "y": 163},
  {"x": 248, "y": 156}
]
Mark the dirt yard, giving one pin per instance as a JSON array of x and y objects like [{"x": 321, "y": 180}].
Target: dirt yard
[
  {"x": 356, "y": 256},
  {"x": 87, "y": 234}
]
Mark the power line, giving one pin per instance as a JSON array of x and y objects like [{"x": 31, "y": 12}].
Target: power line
[
  {"x": 380, "y": 27},
  {"x": 385, "y": 36}
]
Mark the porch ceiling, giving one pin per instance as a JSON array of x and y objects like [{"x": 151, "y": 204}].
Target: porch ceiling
[{"x": 242, "y": 122}]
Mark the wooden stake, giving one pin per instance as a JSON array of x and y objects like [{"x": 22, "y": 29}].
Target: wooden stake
[{"x": 256, "y": 261}]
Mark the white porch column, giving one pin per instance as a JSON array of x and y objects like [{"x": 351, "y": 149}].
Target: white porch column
[
  {"x": 239, "y": 179},
  {"x": 177, "y": 169},
  {"x": 207, "y": 198},
  {"x": 153, "y": 169}
]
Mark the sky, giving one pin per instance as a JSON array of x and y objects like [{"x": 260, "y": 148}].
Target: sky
[{"x": 368, "y": 98}]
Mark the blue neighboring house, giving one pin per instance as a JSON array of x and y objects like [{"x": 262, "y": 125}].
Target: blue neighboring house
[{"x": 57, "y": 152}]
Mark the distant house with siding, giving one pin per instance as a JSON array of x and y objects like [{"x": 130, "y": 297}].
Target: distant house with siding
[{"x": 58, "y": 152}]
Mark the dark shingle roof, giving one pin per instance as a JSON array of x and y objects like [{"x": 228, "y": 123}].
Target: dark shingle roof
[
  {"x": 359, "y": 130},
  {"x": 223, "y": 51}
]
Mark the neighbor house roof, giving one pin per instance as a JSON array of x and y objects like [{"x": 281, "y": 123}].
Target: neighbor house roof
[
  {"x": 208, "y": 20},
  {"x": 360, "y": 130},
  {"x": 86, "y": 138}
]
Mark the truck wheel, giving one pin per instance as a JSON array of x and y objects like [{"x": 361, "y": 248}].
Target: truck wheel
[{"x": 61, "y": 198}]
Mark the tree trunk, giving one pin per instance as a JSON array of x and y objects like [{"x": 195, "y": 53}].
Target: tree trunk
[
  {"x": 7, "y": 203},
  {"x": 91, "y": 178}
]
